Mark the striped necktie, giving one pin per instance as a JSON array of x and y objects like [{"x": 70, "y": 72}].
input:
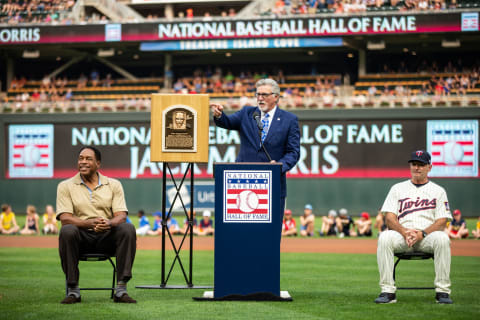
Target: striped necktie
[{"x": 265, "y": 127}]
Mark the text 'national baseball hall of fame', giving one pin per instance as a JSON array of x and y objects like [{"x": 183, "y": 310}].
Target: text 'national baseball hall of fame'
[{"x": 247, "y": 196}]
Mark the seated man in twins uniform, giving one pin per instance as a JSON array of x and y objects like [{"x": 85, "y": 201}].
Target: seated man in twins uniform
[{"x": 416, "y": 214}]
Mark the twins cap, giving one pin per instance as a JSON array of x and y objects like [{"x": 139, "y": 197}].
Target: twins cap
[
  {"x": 207, "y": 213},
  {"x": 343, "y": 212},
  {"x": 308, "y": 206},
  {"x": 288, "y": 211},
  {"x": 332, "y": 213},
  {"x": 421, "y": 156},
  {"x": 457, "y": 211}
]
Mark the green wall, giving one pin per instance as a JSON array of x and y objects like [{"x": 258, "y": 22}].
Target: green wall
[{"x": 356, "y": 195}]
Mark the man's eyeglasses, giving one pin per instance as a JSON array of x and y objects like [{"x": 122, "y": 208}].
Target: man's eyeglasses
[{"x": 263, "y": 95}]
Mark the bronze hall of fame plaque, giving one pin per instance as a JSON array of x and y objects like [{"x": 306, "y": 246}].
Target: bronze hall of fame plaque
[{"x": 179, "y": 129}]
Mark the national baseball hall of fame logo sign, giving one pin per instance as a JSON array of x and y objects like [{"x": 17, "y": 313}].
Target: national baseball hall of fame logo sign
[
  {"x": 30, "y": 151},
  {"x": 453, "y": 145},
  {"x": 247, "y": 196}
]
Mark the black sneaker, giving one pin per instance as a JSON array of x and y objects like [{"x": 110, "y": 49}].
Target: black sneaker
[
  {"x": 443, "y": 298},
  {"x": 386, "y": 297}
]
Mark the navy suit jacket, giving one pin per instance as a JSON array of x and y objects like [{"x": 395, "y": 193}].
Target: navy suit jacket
[{"x": 282, "y": 141}]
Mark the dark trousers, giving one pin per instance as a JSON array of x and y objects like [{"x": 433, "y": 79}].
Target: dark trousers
[{"x": 120, "y": 241}]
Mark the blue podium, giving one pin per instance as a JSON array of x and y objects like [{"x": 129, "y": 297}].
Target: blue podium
[{"x": 248, "y": 223}]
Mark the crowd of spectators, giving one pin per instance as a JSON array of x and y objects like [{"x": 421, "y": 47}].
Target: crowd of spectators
[
  {"x": 189, "y": 13},
  {"x": 437, "y": 88},
  {"x": 50, "y": 90},
  {"x": 296, "y": 7},
  {"x": 35, "y": 11},
  {"x": 60, "y": 91},
  {"x": 401, "y": 65},
  {"x": 32, "y": 226},
  {"x": 243, "y": 85},
  {"x": 333, "y": 224},
  {"x": 340, "y": 224},
  {"x": 48, "y": 224},
  {"x": 56, "y": 11},
  {"x": 452, "y": 79}
]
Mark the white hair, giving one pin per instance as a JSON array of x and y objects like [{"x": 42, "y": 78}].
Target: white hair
[{"x": 269, "y": 82}]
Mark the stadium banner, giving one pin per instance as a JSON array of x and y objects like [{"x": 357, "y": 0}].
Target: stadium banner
[
  {"x": 232, "y": 44},
  {"x": 329, "y": 149},
  {"x": 317, "y": 26}
]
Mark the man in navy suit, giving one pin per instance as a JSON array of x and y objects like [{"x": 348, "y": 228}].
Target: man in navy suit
[{"x": 280, "y": 133}]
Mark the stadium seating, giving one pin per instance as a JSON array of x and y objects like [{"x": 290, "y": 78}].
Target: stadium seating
[{"x": 14, "y": 12}]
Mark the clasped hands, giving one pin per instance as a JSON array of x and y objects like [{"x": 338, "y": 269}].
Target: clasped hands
[
  {"x": 101, "y": 224},
  {"x": 412, "y": 236}
]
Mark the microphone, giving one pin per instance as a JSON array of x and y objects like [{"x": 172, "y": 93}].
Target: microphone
[{"x": 256, "y": 116}]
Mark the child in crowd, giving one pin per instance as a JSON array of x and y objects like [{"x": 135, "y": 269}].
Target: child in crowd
[
  {"x": 307, "y": 221},
  {"x": 8, "y": 223},
  {"x": 206, "y": 224},
  {"x": 144, "y": 224},
  {"x": 31, "y": 222},
  {"x": 364, "y": 225},
  {"x": 289, "y": 226},
  {"x": 49, "y": 221},
  {"x": 329, "y": 228},
  {"x": 194, "y": 226},
  {"x": 457, "y": 228},
  {"x": 172, "y": 225},
  {"x": 476, "y": 233}
]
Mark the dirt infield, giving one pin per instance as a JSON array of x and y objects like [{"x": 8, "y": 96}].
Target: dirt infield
[{"x": 315, "y": 245}]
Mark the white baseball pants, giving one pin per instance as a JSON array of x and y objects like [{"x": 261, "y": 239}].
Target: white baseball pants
[{"x": 391, "y": 242}]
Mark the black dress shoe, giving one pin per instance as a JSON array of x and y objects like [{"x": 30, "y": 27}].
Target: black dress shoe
[
  {"x": 71, "y": 300},
  {"x": 125, "y": 298}
]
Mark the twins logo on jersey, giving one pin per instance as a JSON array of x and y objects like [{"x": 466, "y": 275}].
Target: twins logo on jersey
[{"x": 409, "y": 205}]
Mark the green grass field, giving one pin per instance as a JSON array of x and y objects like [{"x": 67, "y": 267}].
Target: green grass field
[{"x": 323, "y": 286}]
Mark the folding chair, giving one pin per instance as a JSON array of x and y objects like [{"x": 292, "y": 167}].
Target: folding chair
[
  {"x": 411, "y": 256},
  {"x": 98, "y": 257}
]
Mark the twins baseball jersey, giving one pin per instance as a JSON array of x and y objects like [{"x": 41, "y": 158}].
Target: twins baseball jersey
[{"x": 417, "y": 207}]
